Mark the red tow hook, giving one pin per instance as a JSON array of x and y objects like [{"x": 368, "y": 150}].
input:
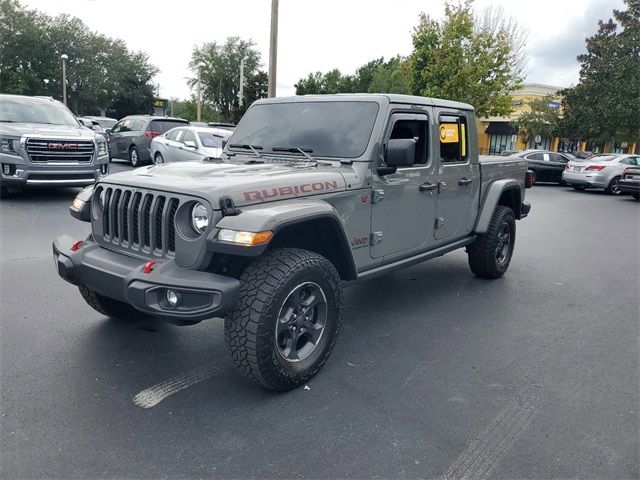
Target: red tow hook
[
  {"x": 76, "y": 245},
  {"x": 148, "y": 266}
]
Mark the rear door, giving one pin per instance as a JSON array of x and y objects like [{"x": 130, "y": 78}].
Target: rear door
[
  {"x": 403, "y": 203},
  {"x": 458, "y": 175}
]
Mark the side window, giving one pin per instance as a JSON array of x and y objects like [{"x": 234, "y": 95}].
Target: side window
[
  {"x": 137, "y": 124},
  {"x": 116, "y": 128},
  {"x": 637, "y": 161},
  {"x": 535, "y": 156},
  {"x": 556, "y": 157},
  {"x": 628, "y": 161},
  {"x": 418, "y": 130},
  {"x": 173, "y": 134},
  {"x": 189, "y": 136},
  {"x": 453, "y": 139},
  {"x": 126, "y": 125}
]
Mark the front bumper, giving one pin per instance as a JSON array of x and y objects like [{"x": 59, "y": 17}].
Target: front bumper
[
  {"x": 585, "y": 179},
  {"x": 21, "y": 175},
  {"x": 629, "y": 186},
  {"x": 202, "y": 295}
]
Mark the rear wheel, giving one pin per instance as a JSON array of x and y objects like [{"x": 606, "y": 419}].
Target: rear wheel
[
  {"x": 110, "y": 307},
  {"x": 158, "y": 159},
  {"x": 614, "y": 187},
  {"x": 134, "y": 157},
  {"x": 490, "y": 254},
  {"x": 287, "y": 319}
]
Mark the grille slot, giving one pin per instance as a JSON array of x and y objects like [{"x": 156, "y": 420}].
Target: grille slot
[
  {"x": 139, "y": 221},
  {"x": 43, "y": 150}
]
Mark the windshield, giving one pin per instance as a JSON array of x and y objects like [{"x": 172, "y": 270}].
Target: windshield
[
  {"x": 27, "y": 110},
  {"x": 209, "y": 140},
  {"x": 326, "y": 129}
]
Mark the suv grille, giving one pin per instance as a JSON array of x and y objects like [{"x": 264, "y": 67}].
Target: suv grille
[
  {"x": 42, "y": 150},
  {"x": 139, "y": 221}
]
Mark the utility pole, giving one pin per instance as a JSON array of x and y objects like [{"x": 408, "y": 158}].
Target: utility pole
[
  {"x": 241, "y": 90},
  {"x": 273, "y": 49},
  {"x": 200, "y": 66},
  {"x": 64, "y": 58}
]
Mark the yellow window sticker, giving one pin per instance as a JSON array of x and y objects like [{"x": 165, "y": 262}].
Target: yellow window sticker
[{"x": 449, "y": 133}]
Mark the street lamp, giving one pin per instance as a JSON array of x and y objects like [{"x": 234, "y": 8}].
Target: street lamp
[
  {"x": 64, "y": 58},
  {"x": 200, "y": 66}
]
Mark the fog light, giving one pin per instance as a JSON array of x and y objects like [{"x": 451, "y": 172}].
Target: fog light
[
  {"x": 172, "y": 298},
  {"x": 6, "y": 169}
]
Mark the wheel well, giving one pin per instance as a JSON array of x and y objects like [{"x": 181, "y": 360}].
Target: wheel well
[
  {"x": 511, "y": 198},
  {"x": 323, "y": 236}
]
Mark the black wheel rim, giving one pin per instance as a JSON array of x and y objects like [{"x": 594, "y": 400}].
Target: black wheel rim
[
  {"x": 615, "y": 187},
  {"x": 301, "y": 322},
  {"x": 504, "y": 243}
]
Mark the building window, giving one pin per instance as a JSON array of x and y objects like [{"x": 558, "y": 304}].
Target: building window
[{"x": 501, "y": 143}]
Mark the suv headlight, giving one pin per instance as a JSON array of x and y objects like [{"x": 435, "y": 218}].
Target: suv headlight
[
  {"x": 199, "y": 218},
  {"x": 102, "y": 147},
  {"x": 9, "y": 145}
]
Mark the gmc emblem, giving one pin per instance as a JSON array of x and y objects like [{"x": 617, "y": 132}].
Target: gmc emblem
[{"x": 62, "y": 146}]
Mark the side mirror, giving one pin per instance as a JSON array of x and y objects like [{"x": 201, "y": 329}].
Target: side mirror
[
  {"x": 86, "y": 123},
  {"x": 108, "y": 130},
  {"x": 401, "y": 152},
  {"x": 190, "y": 144}
]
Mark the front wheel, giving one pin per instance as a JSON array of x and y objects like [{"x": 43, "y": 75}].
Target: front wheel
[
  {"x": 614, "y": 187},
  {"x": 287, "y": 319},
  {"x": 134, "y": 157},
  {"x": 158, "y": 159},
  {"x": 490, "y": 254}
]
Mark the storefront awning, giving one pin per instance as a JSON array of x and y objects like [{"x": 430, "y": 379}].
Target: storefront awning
[{"x": 501, "y": 128}]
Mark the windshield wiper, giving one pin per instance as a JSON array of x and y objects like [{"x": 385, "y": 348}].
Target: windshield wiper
[
  {"x": 248, "y": 146},
  {"x": 7, "y": 121},
  {"x": 303, "y": 151}
]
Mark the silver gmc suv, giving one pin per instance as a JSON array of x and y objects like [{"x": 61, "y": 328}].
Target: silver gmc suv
[{"x": 42, "y": 143}]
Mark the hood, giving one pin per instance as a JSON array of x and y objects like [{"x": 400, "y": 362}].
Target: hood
[
  {"x": 46, "y": 130},
  {"x": 244, "y": 184}
]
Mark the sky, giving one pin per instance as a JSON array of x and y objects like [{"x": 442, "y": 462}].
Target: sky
[{"x": 326, "y": 34}]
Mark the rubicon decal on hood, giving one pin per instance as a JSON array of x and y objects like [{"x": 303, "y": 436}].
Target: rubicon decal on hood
[{"x": 291, "y": 190}]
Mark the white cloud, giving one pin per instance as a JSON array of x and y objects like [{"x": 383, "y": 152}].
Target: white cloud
[{"x": 318, "y": 36}]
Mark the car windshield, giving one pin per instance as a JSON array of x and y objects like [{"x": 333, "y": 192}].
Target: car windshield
[
  {"x": 210, "y": 140},
  {"x": 27, "y": 110},
  {"x": 327, "y": 129}
]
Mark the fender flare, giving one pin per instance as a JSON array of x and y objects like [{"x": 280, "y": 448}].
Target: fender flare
[
  {"x": 276, "y": 217},
  {"x": 491, "y": 199}
]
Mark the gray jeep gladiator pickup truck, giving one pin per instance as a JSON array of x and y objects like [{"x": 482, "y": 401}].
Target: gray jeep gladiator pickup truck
[
  {"x": 43, "y": 144},
  {"x": 311, "y": 192}
]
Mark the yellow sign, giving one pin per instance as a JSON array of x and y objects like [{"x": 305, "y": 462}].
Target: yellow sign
[
  {"x": 449, "y": 133},
  {"x": 159, "y": 103}
]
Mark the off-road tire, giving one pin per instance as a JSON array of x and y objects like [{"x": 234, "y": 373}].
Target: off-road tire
[
  {"x": 110, "y": 307},
  {"x": 614, "y": 188},
  {"x": 134, "y": 157},
  {"x": 250, "y": 330},
  {"x": 579, "y": 188},
  {"x": 482, "y": 253}
]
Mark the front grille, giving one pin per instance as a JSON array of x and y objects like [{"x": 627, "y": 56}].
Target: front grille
[
  {"x": 42, "y": 150},
  {"x": 138, "y": 221}
]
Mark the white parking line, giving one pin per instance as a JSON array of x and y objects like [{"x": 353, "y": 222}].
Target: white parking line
[
  {"x": 483, "y": 454},
  {"x": 152, "y": 396}
]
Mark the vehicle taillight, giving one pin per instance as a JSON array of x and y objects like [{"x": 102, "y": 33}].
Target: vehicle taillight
[
  {"x": 624, "y": 174},
  {"x": 595, "y": 168},
  {"x": 566, "y": 166},
  {"x": 151, "y": 134}
]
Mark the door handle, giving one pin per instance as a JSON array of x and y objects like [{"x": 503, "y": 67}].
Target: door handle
[
  {"x": 427, "y": 187},
  {"x": 465, "y": 181}
]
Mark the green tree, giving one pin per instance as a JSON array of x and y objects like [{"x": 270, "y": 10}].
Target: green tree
[
  {"x": 390, "y": 77},
  {"x": 604, "y": 105},
  {"x": 331, "y": 82},
  {"x": 478, "y": 60},
  {"x": 221, "y": 74},
  {"x": 187, "y": 109},
  {"x": 542, "y": 119}
]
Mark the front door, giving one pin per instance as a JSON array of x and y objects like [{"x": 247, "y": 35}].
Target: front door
[
  {"x": 458, "y": 178},
  {"x": 403, "y": 203}
]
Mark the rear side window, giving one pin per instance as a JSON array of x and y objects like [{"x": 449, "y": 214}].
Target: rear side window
[
  {"x": 454, "y": 139},
  {"x": 162, "y": 126},
  {"x": 136, "y": 124},
  {"x": 556, "y": 157}
]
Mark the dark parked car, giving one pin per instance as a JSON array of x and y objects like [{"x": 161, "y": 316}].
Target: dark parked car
[
  {"x": 95, "y": 126},
  {"x": 130, "y": 138},
  {"x": 546, "y": 166},
  {"x": 630, "y": 182}
]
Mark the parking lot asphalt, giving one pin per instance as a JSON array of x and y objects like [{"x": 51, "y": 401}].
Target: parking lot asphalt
[{"x": 436, "y": 374}]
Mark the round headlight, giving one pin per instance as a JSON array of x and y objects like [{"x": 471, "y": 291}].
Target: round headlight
[{"x": 199, "y": 218}]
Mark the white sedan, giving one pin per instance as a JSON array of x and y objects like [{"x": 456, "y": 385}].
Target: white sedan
[
  {"x": 182, "y": 144},
  {"x": 602, "y": 171}
]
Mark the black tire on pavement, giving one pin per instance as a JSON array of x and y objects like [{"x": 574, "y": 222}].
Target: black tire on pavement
[
  {"x": 158, "y": 159},
  {"x": 287, "y": 319},
  {"x": 134, "y": 157},
  {"x": 4, "y": 192},
  {"x": 614, "y": 187},
  {"x": 579, "y": 188},
  {"x": 636, "y": 196},
  {"x": 490, "y": 255},
  {"x": 110, "y": 307}
]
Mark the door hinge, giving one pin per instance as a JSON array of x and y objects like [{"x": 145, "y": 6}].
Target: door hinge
[
  {"x": 439, "y": 222},
  {"x": 377, "y": 196},
  {"x": 376, "y": 238}
]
